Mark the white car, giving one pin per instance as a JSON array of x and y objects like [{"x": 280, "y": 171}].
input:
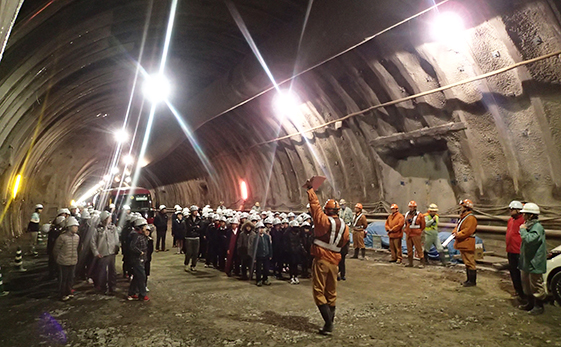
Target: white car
[{"x": 552, "y": 276}]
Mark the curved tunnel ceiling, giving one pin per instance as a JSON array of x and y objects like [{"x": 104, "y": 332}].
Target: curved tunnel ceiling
[{"x": 68, "y": 69}]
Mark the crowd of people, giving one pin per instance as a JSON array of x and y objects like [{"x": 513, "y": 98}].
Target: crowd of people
[{"x": 268, "y": 243}]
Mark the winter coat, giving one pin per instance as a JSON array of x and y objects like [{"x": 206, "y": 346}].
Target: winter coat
[
  {"x": 243, "y": 240},
  {"x": 105, "y": 241},
  {"x": 179, "y": 229},
  {"x": 193, "y": 226},
  {"x": 394, "y": 225},
  {"x": 465, "y": 237},
  {"x": 161, "y": 222},
  {"x": 277, "y": 240},
  {"x": 66, "y": 249},
  {"x": 533, "y": 251},
  {"x": 138, "y": 247},
  {"x": 293, "y": 241},
  {"x": 263, "y": 244},
  {"x": 513, "y": 239}
]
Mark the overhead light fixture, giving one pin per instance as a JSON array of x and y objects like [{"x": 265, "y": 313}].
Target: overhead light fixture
[
  {"x": 16, "y": 186},
  {"x": 121, "y": 135},
  {"x": 115, "y": 170},
  {"x": 243, "y": 188},
  {"x": 128, "y": 179},
  {"x": 448, "y": 27},
  {"x": 128, "y": 159},
  {"x": 286, "y": 104},
  {"x": 156, "y": 88}
]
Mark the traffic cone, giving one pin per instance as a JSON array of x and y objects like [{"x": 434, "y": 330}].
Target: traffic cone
[
  {"x": 19, "y": 260},
  {"x": 2, "y": 292}
]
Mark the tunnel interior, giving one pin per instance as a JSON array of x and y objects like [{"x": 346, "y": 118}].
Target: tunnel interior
[{"x": 69, "y": 78}]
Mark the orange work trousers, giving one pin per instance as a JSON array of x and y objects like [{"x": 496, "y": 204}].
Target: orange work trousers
[
  {"x": 414, "y": 241},
  {"x": 395, "y": 248},
  {"x": 358, "y": 239},
  {"x": 324, "y": 282},
  {"x": 469, "y": 259}
]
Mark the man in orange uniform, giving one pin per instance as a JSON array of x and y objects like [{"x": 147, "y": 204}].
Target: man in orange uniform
[
  {"x": 330, "y": 235},
  {"x": 465, "y": 240},
  {"x": 359, "y": 225},
  {"x": 394, "y": 228},
  {"x": 414, "y": 226}
]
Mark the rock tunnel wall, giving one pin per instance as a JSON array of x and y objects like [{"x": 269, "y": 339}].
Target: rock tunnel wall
[
  {"x": 492, "y": 140},
  {"x": 506, "y": 144}
]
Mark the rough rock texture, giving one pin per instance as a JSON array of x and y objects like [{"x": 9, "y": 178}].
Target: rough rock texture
[{"x": 67, "y": 74}]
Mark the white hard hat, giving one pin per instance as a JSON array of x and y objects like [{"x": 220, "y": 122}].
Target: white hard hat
[
  {"x": 284, "y": 221},
  {"x": 294, "y": 223},
  {"x": 71, "y": 221},
  {"x": 38, "y": 206},
  {"x": 268, "y": 220},
  {"x": 254, "y": 217},
  {"x": 111, "y": 205},
  {"x": 308, "y": 205},
  {"x": 234, "y": 221},
  {"x": 223, "y": 219},
  {"x": 260, "y": 225},
  {"x": 104, "y": 215},
  {"x": 177, "y": 208},
  {"x": 63, "y": 210},
  {"x": 282, "y": 215},
  {"x": 162, "y": 207},
  {"x": 194, "y": 208},
  {"x": 291, "y": 214},
  {"x": 530, "y": 207},
  {"x": 126, "y": 207},
  {"x": 276, "y": 221},
  {"x": 85, "y": 214},
  {"x": 139, "y": 222},
  {"x": 306, "y": 224},
  {"x": 434, "y": 207},
  {"x": 515, "y": 205},
  {"x": 244, "y": 215},
  {"x": 59, "y": 220}
]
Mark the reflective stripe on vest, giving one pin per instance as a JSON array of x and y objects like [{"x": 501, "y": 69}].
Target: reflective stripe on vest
[
  {"x": 461, "y": 221},
  {"x": 413, "y": 225},
  {"x": 334, "y": 238},
  {"x": 357, "y": 218}
]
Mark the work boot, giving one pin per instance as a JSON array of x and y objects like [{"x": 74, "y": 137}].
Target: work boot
[
  {"x": 363, "y": 251},
  {"x": 471, "y": 282},
  {"x": 538, "y": 308},
  {"x": 332, "y": 308},
  {"x": 467, "y": 278},
  {"x": 426, "y": 256},
  {"x": 529, "y": 303},
  {"x": 410, "y": 261},
  {"x": 443, "y": 259},
  {"x": 423, "y": 263},
  {"x": 326, "y": 315},
  {"x": 355, "y": 256}
]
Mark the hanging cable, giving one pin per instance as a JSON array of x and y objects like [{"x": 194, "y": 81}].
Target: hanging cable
[{"x": 398, "y": 101}]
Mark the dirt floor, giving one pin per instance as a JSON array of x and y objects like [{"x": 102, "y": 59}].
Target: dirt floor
[{"x": 380, "y": 304}]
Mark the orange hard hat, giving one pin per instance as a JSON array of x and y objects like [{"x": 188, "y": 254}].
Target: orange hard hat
[
  {"x": 412, "y": 204},
  {"x": 331, "y": 204},
  {"x": 466, "y": 203},
  {"x": 394, "y": 206},
  {"x": 358, "y": 205}
]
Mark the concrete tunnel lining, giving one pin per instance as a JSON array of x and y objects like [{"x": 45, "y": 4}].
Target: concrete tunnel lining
[{"x": 509, "y": 149}]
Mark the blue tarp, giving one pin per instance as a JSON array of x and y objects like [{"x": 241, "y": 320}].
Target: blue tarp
[{"x": 379, "y": 228}]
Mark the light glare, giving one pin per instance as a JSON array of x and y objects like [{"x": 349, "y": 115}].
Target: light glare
[
  {"x": 156, "y": 88},
  {"x": 243, "y": 188},
  {"x": 286, "y": 104},
  {"x": 128, "y": 159},
  {"x": 16, "y": 186},
  {"x": 121, "y": 135},
  {"x": 448, "y": 27}
]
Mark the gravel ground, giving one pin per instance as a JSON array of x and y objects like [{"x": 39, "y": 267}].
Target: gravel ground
[{"x": 380, "y": 304}]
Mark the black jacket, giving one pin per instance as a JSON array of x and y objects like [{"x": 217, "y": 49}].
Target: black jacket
[
  {"x": 161, "y": 221},
  {"x": 193, "y": 226}
]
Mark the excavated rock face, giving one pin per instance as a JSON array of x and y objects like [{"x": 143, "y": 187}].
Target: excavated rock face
[{"x": 67, "y": 74}]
